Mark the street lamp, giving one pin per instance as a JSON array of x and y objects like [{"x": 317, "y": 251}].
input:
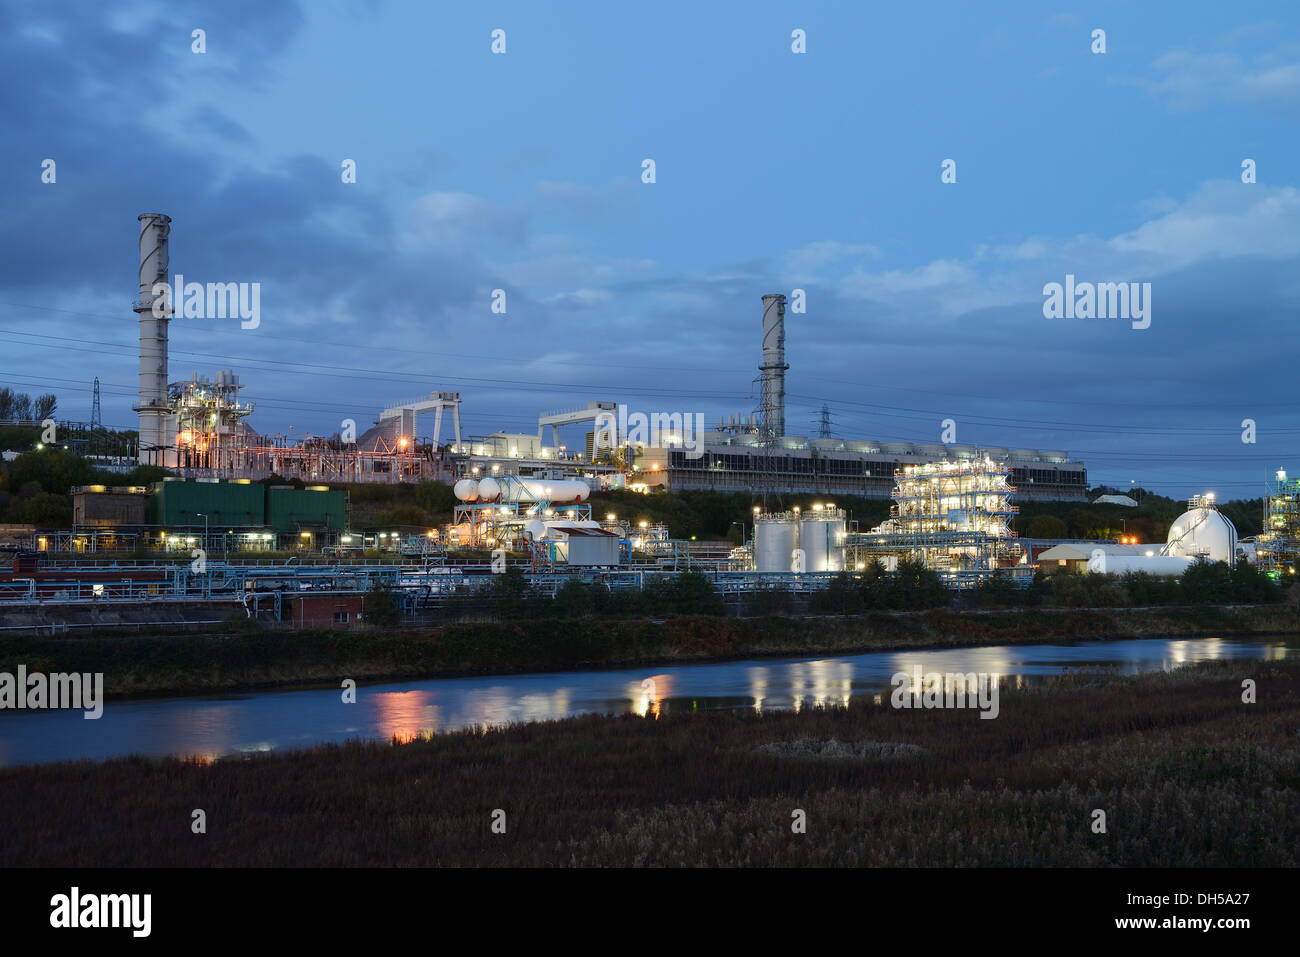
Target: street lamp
[{"x": 205, "y": 529}]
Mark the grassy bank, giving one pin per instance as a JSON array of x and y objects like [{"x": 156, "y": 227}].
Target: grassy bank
[
  {"x": 1187, "y": 775},
  {"x": 192, "y": 663}
]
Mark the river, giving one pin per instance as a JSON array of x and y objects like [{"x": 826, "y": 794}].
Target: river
[{"x": 216, "y": 726}]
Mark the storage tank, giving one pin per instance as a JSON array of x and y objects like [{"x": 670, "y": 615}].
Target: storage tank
[
  {"x": 898, "y": 448},
  {"x": 513, "y": 489},
  {"x": 1204, "y": 531},
  {"x": 535, "y": 530},
  {"x": 466, "y": 490},
  {"x": 775, "y": 539},
  {"x": 828, "y": 445},
  {"x": 997, "y": 454},
  {"x": 793, "y": 442},
  {"x": 1167, "y": 565},
  {"x": 933, "y": 451},
  {"x": 863, "y": 445},
  {"x": 821, "y": 536}
]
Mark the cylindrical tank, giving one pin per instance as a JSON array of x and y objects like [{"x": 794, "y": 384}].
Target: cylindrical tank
[
  {"x": 514, "y": 489},
  {"x": 775, "y": 538},
  {"x": 1203, "y": 531},
  {"x": 897, "y": 448},
  {"x": 793, "y": 442},
  {"x": 932, "y": 450},
  {"x": 535, "y": 529},
  {"x": 466, "y": 490},
  {"x": 862, "y": 445},
  {"x": 821, "y": 536},
  {"x": 828, "y": 445},
  {"x": 1169, "y": 565}
]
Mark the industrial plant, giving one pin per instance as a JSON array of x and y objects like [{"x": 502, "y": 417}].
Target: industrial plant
[{"x": 525, "y": 498}]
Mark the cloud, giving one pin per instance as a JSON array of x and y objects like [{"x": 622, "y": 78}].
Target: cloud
[
  {"x": 1187, "y": 80},
  {"x": 454, "y": 219}
]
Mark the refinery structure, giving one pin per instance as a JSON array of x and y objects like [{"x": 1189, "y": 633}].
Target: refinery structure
[
  {"x": 528, "y": 495},
  {"x": 200, "y": 427}
]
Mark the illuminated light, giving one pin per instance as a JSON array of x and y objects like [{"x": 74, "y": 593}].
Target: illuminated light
[
  {"x": 347, "y": 539},
  {"x": 305, "y": 535},
  {"x": 1150, "y": 553},
  {"x": 430, "y": 533},
  {"x": 403, "y": 441},
  {"x": 757, "y": 509},
  {"x": 610, "y": 517},
  {"x": 642, "y": 524},
  {"x": 496, "y": 468}
]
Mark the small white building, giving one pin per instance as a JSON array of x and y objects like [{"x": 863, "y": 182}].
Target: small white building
[{"x": 585, "y": 546}]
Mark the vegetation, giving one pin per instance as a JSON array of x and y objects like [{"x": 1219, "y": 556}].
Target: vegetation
[
  {"x": 1187, "y": 775},
  {"x": 239, "y": 658},
  {"x": 1204, "y": 583}
]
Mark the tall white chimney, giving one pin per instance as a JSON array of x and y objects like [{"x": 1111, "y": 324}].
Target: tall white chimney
[
  {"x": 773, "y": 368},
  {"x": 153, "y": 408}
]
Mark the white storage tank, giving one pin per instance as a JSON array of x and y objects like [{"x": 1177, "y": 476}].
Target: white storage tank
[
  {"x": 1165, "y": 565},
  {"x": 513, "y": 489},
  {"x": 821, "y": 536},
  {"x": 1203, "y": 530},
  {"x": 775, "y": 538},
  {"x": 466, "y": 490}
]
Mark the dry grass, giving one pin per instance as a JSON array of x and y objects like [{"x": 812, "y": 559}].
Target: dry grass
[{"x": 1187, "y": 775}]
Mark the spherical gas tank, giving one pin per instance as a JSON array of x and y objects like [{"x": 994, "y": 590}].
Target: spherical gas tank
[
  {"x": 466, "y": 490},
  {"x": 1203, "y": 531}
]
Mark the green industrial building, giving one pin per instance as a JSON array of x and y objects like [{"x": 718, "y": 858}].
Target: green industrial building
[
  {"x": 315, "y": 508},
  {"x": 243, "y": 504},
  {"x": 225, "y": 504}
]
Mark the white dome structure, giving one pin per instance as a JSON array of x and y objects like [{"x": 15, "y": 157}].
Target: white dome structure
[{"x": 1203, "y": 530}]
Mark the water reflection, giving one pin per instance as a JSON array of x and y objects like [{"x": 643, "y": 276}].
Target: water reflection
[{"x": 208, "y": 728}]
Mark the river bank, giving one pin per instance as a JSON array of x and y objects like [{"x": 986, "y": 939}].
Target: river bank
[
  {"x": 1184, "y": 772},
  {"x": 203, "y": 664}
]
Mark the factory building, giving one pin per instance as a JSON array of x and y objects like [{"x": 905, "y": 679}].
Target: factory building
[
  {"x": 198, "y": 427},
  {"x": 834, "y": 467},
  {"x": 1278, "y": 547},
  {"x": 222, "y": 515},
  {"x": 754, "y": 453}
]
